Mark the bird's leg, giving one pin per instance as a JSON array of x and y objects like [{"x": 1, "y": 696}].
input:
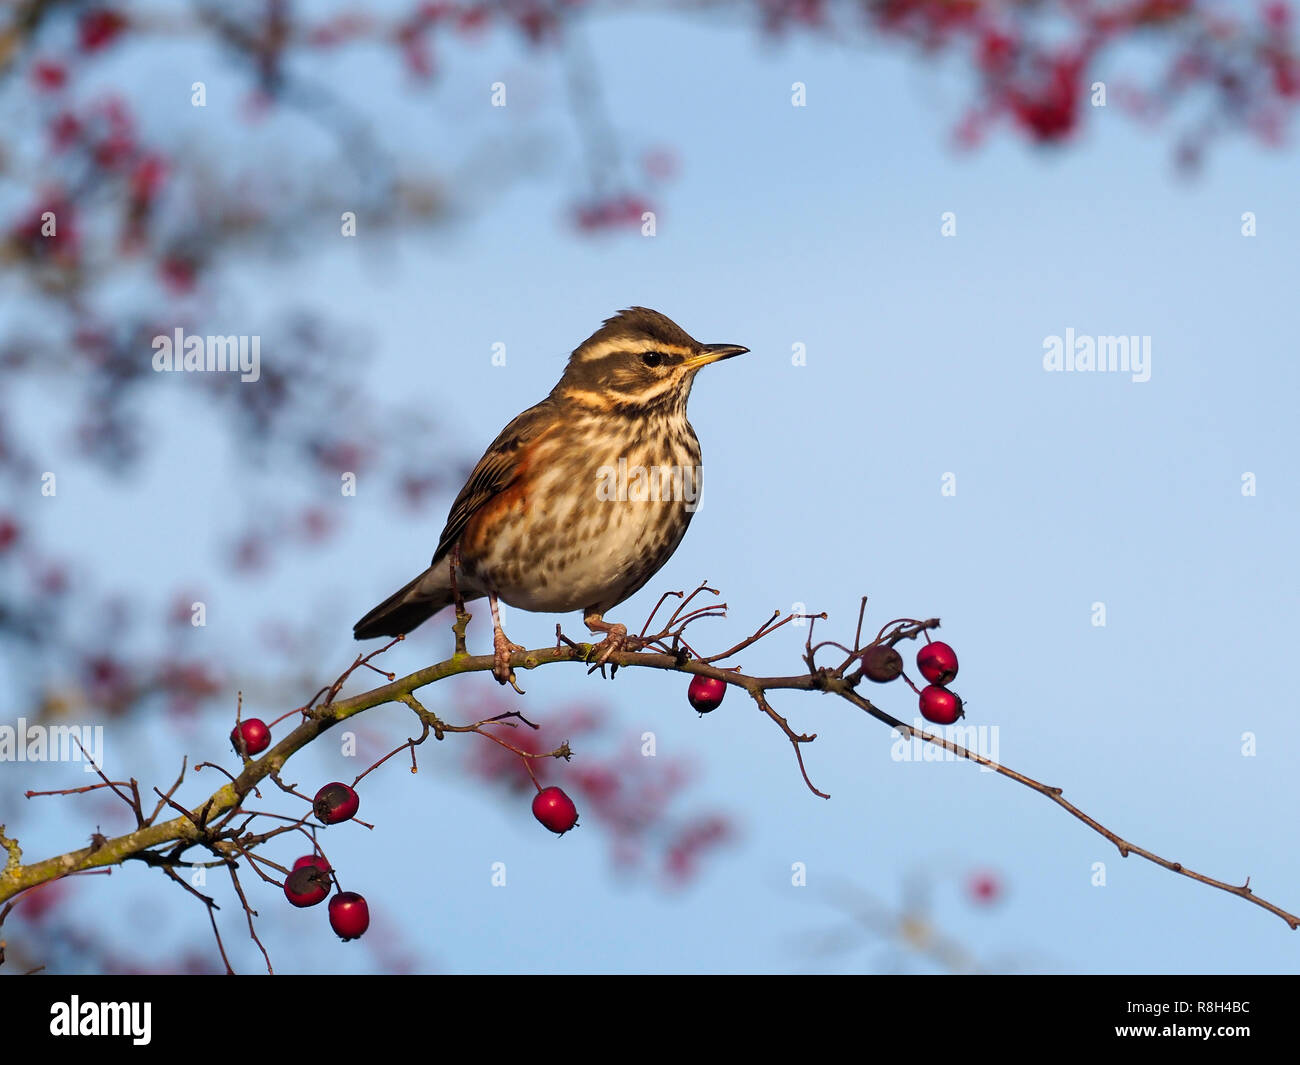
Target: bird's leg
[
  {"x": 616, "y": 637},
  {"x": 462, "y": 615},
  {"x": 453, "y": 560},
  {"x": 501, "y": 648}
]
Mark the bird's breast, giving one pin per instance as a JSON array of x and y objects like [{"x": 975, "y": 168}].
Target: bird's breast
[{"x": 598, "y": 513}]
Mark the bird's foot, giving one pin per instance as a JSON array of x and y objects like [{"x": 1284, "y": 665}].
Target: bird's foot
[
  {"x": 502, "y": 649},
  {"x": 616, "y": 640}
]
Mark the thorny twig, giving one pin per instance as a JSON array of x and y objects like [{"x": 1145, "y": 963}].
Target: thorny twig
[{"x": 211, "y": 824}]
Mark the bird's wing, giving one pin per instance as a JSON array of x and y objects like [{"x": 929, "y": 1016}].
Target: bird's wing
[{"x": 496, "y": 471}]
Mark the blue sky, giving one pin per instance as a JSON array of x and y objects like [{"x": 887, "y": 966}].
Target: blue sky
[{"x": 821, "y": 226}]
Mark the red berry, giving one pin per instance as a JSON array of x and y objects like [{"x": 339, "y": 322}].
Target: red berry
[
  {"x": 257, "y": 737},
  {"x": 49, "y": 75},
  {"x": 316, "y": 860},
  {"x": 64, "y": 128},
  {"x": 555, "y": 810},
  {"x": 984, "y": 887},
  {"x": 705, "y": 693},
  {"x": 881, "y": 663},
  {"x": 147, "y": 177},
  {"x": 996, "y": 51},
  {"x": 307, "y": 885},
  {"x": 937, "y": 663},
  {"x": 349, "y": 915},
  {"x": 940, "y": 705},
  {"x": 334, "y": 803},
  {"x": 179, "y": 275},
  {"x": 98, "y": 27}
]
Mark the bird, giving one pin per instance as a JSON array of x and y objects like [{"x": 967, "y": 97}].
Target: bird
[{"x": 581, "y": 499}]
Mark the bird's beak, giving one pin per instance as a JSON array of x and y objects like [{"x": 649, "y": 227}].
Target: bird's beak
[{"x": 714, "y": 353}]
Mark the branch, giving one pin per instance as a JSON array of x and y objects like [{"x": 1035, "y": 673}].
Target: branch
[{"x": 206, "y": 824}]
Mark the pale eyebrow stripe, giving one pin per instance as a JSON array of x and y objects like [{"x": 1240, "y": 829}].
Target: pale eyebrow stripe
[{"x": 629, "y": 346}]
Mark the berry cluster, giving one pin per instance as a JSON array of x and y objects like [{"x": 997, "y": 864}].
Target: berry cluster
[
  {"x": 938, "y": 664},
  {"x": 881, "y": 663},
  {"x": 309, "y": 882},
  {"x": 310, "y": 879}
]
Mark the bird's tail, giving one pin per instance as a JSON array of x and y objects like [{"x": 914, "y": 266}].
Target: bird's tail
[{"x": 411, "y": 606}]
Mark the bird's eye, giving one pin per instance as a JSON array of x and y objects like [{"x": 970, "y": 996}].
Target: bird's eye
[{"x": 651, "y": 358}]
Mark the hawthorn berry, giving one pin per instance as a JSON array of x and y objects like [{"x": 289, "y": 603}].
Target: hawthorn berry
[
  {"x": 307, "y": 885},
  {"x": 984, "y": 887},
  {"x": 937, "y": 663},
  {"x": 49, "y": 76},
  {"x": 98, "y": 27},
  {"x": 334, "y": 803},
  {"x": 705, "y": 693},
  {"x": 316, "y": 860},
  {"x": 940, "y": 705},
  {"x": 349, "y": 915},
  {"x": 555, "y": 810},
  {"x": 881, "y": 663},
  {"x": 257, "y": 737}
]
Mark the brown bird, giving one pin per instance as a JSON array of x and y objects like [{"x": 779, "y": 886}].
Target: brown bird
[{"x": 582, "y": 498}]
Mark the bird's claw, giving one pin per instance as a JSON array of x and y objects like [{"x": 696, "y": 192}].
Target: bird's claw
[
  {"x": 615, "y": 641},
  {"x": 502, "y": 649}
]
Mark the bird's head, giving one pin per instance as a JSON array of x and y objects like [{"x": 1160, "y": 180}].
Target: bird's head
[{"x": 638, "y": 361}]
